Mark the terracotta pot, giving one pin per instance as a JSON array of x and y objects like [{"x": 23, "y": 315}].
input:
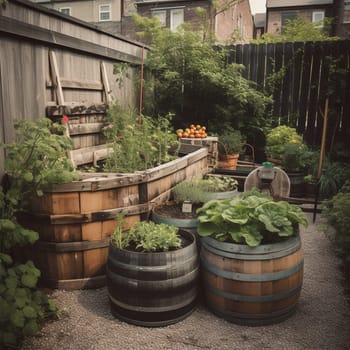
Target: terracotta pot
[{"x": 228, "y": 161}]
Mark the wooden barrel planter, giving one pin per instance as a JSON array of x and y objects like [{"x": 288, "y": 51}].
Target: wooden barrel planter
[
  {"x": 153, "y": 289},
  {"x": 75, "y": 220},
  {"x": 159, "y": 217},
  {"x": 297, "y": 184},
  {"x": 252, "y": 286}
]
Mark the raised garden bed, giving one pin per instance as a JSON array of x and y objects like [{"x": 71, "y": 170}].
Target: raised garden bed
[{"x": 75, "y": 220}]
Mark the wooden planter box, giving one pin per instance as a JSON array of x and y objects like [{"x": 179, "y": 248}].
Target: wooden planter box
[{"x": 75, "y": 220}]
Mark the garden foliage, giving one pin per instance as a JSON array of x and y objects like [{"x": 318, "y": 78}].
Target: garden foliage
[
  {"x": 138, "y": 142},
  {"x": 37, "y": 159},
  {"x": 147, "y": 236},
  {"x": 337, "y": 212},
  {"x": 193, "y": 79},
  {"x": 251, "y": 219}
]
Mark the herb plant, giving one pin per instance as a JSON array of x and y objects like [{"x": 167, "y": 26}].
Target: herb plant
[
  {"x": 147, "y": 236},
  {"x": 138, "y": 143},
  {"x": 250, "y": 219},
  {"x": 196, "y": 189},
  {"x": 230, "y": 141}
]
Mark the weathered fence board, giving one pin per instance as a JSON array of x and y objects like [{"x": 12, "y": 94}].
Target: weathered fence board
[
  {"x": 302, "y": 80},
  {"x": 84, "y": 58}
]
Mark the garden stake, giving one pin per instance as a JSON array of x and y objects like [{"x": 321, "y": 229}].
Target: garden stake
[{"x": 322, "y": 151}]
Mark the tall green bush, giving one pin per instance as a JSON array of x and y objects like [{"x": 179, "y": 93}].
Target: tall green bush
[{"x": 192, "y": 79}]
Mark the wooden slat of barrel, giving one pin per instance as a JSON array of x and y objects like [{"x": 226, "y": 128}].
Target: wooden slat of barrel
[{"x": 252, "y": 286}]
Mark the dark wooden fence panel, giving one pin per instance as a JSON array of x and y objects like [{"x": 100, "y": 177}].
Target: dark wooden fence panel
[{"x": 303, "y": 74}]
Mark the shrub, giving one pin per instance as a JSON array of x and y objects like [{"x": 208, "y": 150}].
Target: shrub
[{"x": 337, "y": 213}]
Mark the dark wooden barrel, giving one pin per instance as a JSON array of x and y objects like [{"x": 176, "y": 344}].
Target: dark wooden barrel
[
  {"x": 252, "y": 286},
  {"x": 297, "y": 184},
  {"x": 153, "y": 289}
]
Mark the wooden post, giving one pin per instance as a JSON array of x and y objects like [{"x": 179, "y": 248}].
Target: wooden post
[
  {"x": 322, "y": 152},
  {"x": 141, "y": 85}
]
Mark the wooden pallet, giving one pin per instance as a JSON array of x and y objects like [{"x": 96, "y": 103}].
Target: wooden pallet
[{"x": 86, "y": 120}]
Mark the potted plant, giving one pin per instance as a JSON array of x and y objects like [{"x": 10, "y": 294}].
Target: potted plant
[
  {"x": 189, "y": 195},
  {"x": 152, "y": 273},
  {"x": 285, "y": 147},
  {"x": 251, "y": 257},
  {"x": 230, "y": 145}
]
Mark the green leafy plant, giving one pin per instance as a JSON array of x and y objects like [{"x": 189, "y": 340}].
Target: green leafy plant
[
  {"x": 278, "y": 137},
  {"x": 297, "y": 157},
  {"x": 147, "y": 236},
  {"x": 337, "y": 212},
  {"x": 230, "y": 141},
  {"x": 36, "y": 160},
  {"x": 23, "y": 309},
  {"x": 220, "y": 183},
  {"x": 333, "y": 176},
  {"x": 193, "y": 79},
  {"x": 196, "y": 189},
  {"x": 249, "y": 219},
  {"x": 138, "y": 143}
]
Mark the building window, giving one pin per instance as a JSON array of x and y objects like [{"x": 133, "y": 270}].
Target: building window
[
  {"x": 65, "y": 10},
  {"x": 104, "y": 13},
  {"x": 288, "y": 16},
  {"x": 161, "y": 16},
  {"x": 346, "y": 18},
  {"x": 176, "y": 18},
  {"x": 317, "y": 16}
]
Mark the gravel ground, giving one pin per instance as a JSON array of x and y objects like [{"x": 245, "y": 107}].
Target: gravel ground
[{"x": 322, "y": 319}]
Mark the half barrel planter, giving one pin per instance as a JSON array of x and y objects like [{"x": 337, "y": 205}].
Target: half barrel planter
[
  {"x": 252, "y": 286},
  {"x": 153, "y": 289},
  {"x": 189, "y": 224},
  {"x": 75, "y": 220}
]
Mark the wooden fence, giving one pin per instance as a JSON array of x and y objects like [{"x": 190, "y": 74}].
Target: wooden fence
[
  {"x": 48, "y": 59},
  {"x": 299, "y": 76}
]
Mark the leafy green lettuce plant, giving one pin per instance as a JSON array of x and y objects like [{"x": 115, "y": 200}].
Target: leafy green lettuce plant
[{"x": 249, "y": 219}]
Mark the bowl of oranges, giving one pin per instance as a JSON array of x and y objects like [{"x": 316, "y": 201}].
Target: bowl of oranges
[{"x": 192, "y": 132}]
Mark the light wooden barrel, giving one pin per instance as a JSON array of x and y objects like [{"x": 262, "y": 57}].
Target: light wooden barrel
[
  {"x": 252, "y": 286},
  {"x": 153, "y": 289},
  {"x": 75, "y": 226}
]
